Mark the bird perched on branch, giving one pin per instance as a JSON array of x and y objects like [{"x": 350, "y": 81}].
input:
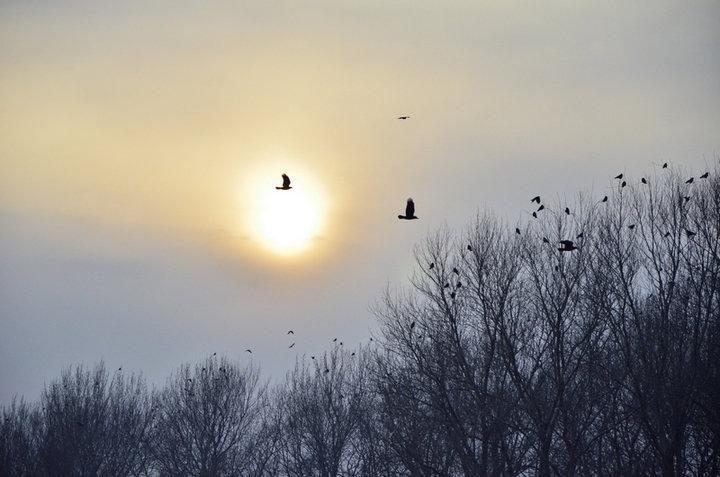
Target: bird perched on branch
[{"x": 567, "y": 246}]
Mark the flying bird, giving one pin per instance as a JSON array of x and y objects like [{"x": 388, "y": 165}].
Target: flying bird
[
  {"x": 447, "y": 285},
  {"x": 690, "y": 181},
  {"x": 334, "y": 340},
  {"x": 604, "y": 199},
  {"x": 286, "y": 183},
  {"x": 545, "y": 240},
  {"x": 542, "y": 207},
  {"x": 409, "y": 211},
  {"x": 579, "y": 236},
  {"x": 619, "y": 176},
  {"x": 291, "y": 345},
  {"x": 631, "y": 226},
  {"x": 643, "y": 180},
  {"x": 689, "y": 233},
  {"x": 705, "y": 176},
  {"x": 403, "y": 117},
  {"x": 667, "y": 234},
  {"x": 687, "y": 198},
  {"x": 249, "y": 351},
  {"x": 664, "y": 165},
  {"x": 535, "y": 199},
  {"x": 290, "y": 332}
]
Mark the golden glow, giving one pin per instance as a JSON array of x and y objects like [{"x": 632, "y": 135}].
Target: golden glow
[{"x": 286, "y": 221}]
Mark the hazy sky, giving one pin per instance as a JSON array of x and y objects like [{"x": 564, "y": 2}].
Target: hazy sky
[{"x": 136, "y": 140}]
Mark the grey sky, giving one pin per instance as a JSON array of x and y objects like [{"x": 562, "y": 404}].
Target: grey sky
[{"x": 128, "y": 135}]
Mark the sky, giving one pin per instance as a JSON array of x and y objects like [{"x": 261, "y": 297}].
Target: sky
[{"x": 140, "y": 144}]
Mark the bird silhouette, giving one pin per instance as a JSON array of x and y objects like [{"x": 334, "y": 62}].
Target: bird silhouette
[
  {"x": 403, "y": 117},
  {"x": 456, "y": 271},
  {"x": 534, "y": 214},
  {"x": 545, "y": 240},
  {"x": 567, "y": 210},
  {"x": 687, "y": 198},
  {"x": 447, "y": 285},
  {"x": 286, "y": 183},
  {"x": 631, "y": 226},
  {"x": 432, "y": 265},
  {"x": 312, "y": 357},
  {"x": 249, "y": 351},
  {"x": 623, "y": 184},
  {"x": 690, "y": 181},
  {"x": 517, "y": 230},
  {"x": 469, "y": 247},
  {"x": 120, "y": 368},
  {"x": 542, "y": 207},
  {"x": 664, "y": 165},
  {"x": 579, "y": 236},
  {"x": 535, "y": 199},
  {"x": 705, "y": 176},
  {"x": 643, "y": 180},
  {"x": 459, "y": 285},
  {"x": 452, "y": 295},
  {"x": 567, "y": 246},
  {"x": 334, "y": 340},
  {"x": 352, "y": 354},
  {"x": 291, "y": 345},
  {"x": 412, "y": 325},
  {"x": 619, "y": 176},
  {"x": 604, "y": 199},
  {"x": 690, "y": 233},
  {"x": 409, "y": 211},
  {"x": 290, "y": 332},
  {"x": 667, "y": 234},
  {"x": 215, "y": 354}
]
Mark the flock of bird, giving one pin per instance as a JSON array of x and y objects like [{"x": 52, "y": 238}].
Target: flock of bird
[{"x": 565, "y": 245}]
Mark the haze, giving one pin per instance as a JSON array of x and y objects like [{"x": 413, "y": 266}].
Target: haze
[{"x": 134, "y": 138}]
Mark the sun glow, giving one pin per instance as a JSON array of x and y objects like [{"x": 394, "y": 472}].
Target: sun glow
[{"x": 287, "y": 221}]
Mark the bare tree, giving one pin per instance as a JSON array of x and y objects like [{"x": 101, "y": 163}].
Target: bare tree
[
  {"x": 18, "y": 446},
  {"x": 90, "y": 424},
  {"x": 210, "y": 421},
  {"x": 321, "y": 406}
]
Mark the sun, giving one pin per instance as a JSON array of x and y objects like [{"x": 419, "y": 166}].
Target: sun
[
  {"x": 285, "y": 222},
  {"x": 288, "y": 220}
]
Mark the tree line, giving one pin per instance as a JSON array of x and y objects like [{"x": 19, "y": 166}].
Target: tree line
[{"x": 502, "y": 357}]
